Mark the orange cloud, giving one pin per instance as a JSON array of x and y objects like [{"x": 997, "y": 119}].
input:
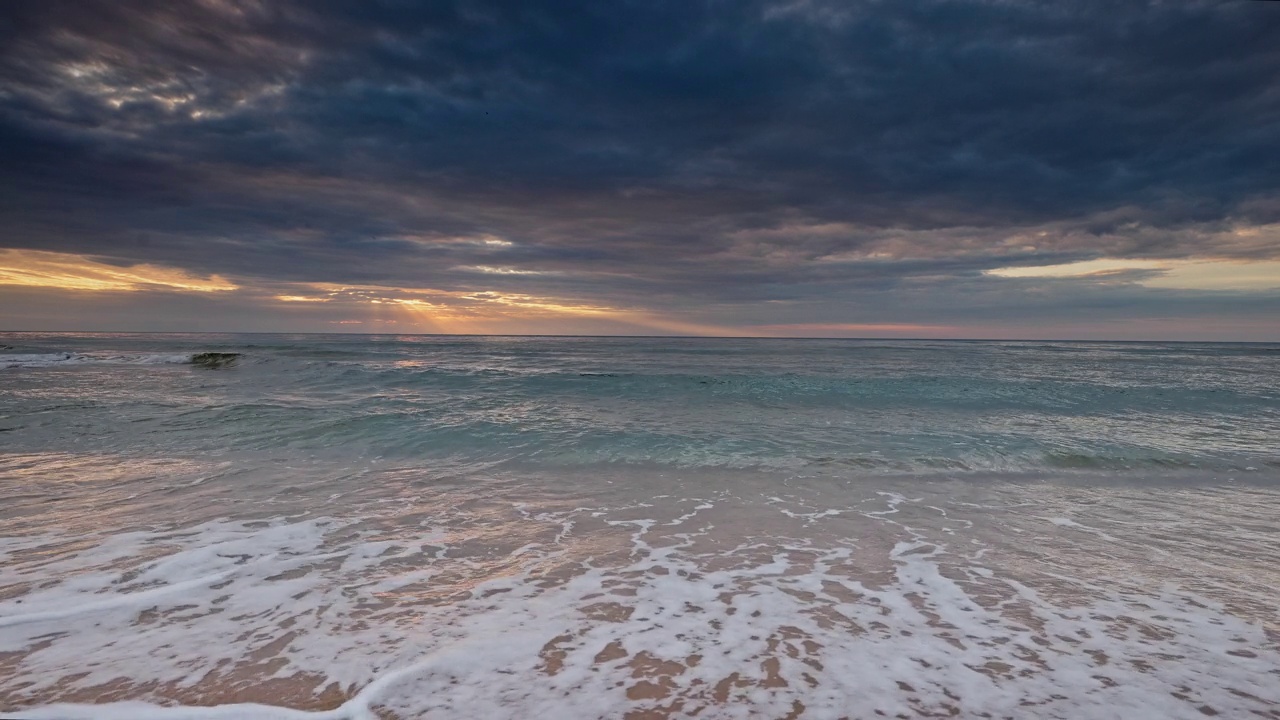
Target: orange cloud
[{"x": 36, "y": 268}]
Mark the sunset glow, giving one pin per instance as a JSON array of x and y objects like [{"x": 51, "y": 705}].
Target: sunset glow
[
  {"x": 33, "y": 268},
  {"x": 754, "y": 169}
]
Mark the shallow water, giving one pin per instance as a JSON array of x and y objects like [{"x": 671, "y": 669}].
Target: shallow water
[{"x": 489, "y": 527}]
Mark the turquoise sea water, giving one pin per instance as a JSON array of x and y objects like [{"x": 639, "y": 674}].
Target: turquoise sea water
[
  {"x": 493, "y": 527},
  {"x": 868, "y": 406}
]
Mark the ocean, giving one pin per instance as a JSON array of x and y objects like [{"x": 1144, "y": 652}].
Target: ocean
[{"x": 354, "y": 526}]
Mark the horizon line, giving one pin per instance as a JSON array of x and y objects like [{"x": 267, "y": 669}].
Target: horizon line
[{"x": 669, "y": 337}]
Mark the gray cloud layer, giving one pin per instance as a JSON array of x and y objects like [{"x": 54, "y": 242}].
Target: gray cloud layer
[{"x": 850, "y": 160}]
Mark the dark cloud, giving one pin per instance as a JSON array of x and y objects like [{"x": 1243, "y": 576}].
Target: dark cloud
[{"x": 645, "y": 153}]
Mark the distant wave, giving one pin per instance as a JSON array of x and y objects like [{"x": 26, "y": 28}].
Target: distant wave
[
  {"x": 810, "y": 407},
  {"x": 63, "y": 359}
]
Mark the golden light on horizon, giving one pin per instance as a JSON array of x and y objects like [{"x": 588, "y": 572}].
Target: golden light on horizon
[
  {"x": 444, "y": 311},
  {"x": 488, "y": 311},
  {"x": 476, "y": 310},
  {"x": 423, "y": 309},
  {"x": 69, "y": 271}
]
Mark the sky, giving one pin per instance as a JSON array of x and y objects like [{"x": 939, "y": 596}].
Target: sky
[{"x": 856, "y": 168}]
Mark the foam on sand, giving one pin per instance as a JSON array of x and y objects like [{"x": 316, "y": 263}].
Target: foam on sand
[{"x": 716, "y": 605}]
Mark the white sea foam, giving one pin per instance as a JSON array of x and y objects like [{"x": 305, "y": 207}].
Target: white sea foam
[
  {"x": 675, "y": 605},
  {"x": 484, "y": 527}
]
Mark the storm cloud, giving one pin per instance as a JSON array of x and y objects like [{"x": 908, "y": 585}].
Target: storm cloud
[{"x": 749, "y": 165}]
